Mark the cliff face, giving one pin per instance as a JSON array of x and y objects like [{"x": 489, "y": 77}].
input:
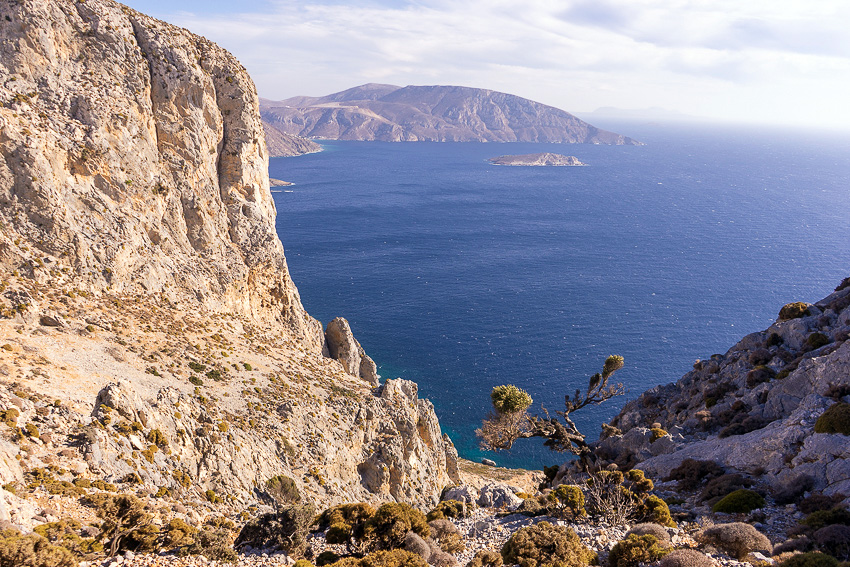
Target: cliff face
[
  {"x": 143, "y": 287},
  {"x": 431, "y": 113},
  {"x": 281, "y": 144},
  {"x": 132, "y": 154},
  {"x": 753, "y": 409}
]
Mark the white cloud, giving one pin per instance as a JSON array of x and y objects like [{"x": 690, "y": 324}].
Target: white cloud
[{"x": 708, "y": 57}]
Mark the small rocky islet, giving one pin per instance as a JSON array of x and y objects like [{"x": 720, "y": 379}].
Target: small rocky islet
[
  {"x": 165, "y": 399},
  {"x": 546, "y": 159}
]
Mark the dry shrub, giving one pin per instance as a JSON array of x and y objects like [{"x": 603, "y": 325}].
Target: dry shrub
[
  {"x": 653, "y": 529},
  {"x": 448, "y": 509},
  {"x": 834, "y": 540},
  {"x": 686, "y": 558},
  {"x": 691, "y": 473},
  {"x": 391, "y": 522},
  {"x": 285, "y": 529},
  {"x": 486, "y": 558},
  {"x": 723, "y": 485},
  {"x": 812, "y": 559},
  {"x": 545, "y": 544},
  {"x": 394, "y": 558},
  {"x": 799, "y": 544},
  {"x": 447, "y": 536},
  {"x": 32, "y": 550},
  {"x": 818, "y": 502},
  {"x": 415, "y": 544},
  {"x": 736, "y": 538}
]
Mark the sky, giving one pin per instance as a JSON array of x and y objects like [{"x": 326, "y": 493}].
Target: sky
[{"x": 782, "y": 62}]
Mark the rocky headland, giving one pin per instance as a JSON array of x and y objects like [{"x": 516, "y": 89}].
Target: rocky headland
[
  {"x": 430, "y": 113},
  {"x": 542, "y": 159},
  {"x": 166, "y": 400}
]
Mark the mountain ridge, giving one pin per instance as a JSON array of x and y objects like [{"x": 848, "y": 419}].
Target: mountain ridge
[{"x": 441, "y": 113}]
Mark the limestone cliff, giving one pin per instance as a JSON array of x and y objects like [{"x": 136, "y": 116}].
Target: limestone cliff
[
  {"x": 753, "y": 408},
  {"x": 281, "y": 144},
  {"x": 149, "y": 324}
]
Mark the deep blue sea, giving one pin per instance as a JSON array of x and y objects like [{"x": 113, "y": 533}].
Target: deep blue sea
[{"x": 462, "y": 275}]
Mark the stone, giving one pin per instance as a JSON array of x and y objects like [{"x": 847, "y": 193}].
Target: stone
[
  {"x": 342, "y": 346},
  {"x": 498, "y": 496},
  {"x": 488, "y": 462},
  {"x": 463, "y": 493}
]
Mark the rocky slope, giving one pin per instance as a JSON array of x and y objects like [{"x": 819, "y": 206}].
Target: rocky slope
[
  {"x": 430, "y": 113},
  {"x": 753, "y": 409},
  {"x": 539, "y": 160},
  {"x": 151, "y": 332},
  {"x": 281, "y": 144}
]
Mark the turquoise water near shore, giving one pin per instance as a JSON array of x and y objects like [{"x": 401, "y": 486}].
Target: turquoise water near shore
[{"x": 461, "y": 275}]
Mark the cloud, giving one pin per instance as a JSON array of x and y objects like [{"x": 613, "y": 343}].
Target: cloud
[{"x": 576, "y": 54}]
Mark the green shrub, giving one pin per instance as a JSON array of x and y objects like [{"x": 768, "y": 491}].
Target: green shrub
[
  {"x": 68, "y": 534},
  {"x": 719, "y": 487},
  {"x": 652, "y": 529},
  {"x": 811, "y": 559},
  {"x": 346, "y": 522},
  {"x": 10, "y": 417},
  {"x": 212, "y": 497},
  {"x": 324, "y": 558},
  {"x": 286, "y": 530},
  {"x": 306, "y": 563},
  {"x": 126, "y": 523},
  {"x": 759, "y": 375},
  {"x": 447, "y": 536},
  {"x": 544, "y": 544},
  {"x": 741, "y": 501},
  {"x": 794, "y": 310},
  {"x": 32, "y": 550},
  {"x": 391, "y": 522},
  {"x": 31, "y": 430},
  {"x": 569, "y": 498},
  {"x": 448, "y": 509},
  {"x": 816, "y": 340},
  {"x": 638, "y": 482},
  {"x": 654, "y": 509},
  {"x": 657, "y": 433},
  {"x": 197, "y": 367},
  {"x": 510, "y": 399},
  {"x": 823, "y": 518},
  {"x": 836, "y": 419},
  {"x": 158, "y": 438},
  {"x": 392, "y": 558},
  {"x": 636, "y": 549},
  {"x": 283, "y": 490},
  {"x": 736, "y": 538}
]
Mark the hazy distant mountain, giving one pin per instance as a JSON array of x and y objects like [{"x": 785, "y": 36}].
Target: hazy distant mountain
[
  {"x": 652, "y": 114},
  {"x": 430, "y": 113}
]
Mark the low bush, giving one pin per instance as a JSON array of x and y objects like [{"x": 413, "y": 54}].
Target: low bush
[
  {"x": 834, "y": 540},
  {"x": 791, "y": 490},
  {"x": 762, "y": 356},
  {"x": 126, "y": 522},
  {"x": 69, "y": 534},
  {"x": 448, "y": 509},
  {"x": 638, "y": 483},
  {"x": 636, "y": 549},
  {"x": 447, "y": 536},
  {"x": 394, "y": 558},
  {"x": 736, "y": 538},
  {"x": 533, "y": 507},
  {"x": 570, "y": 499},
  {"x": 691, "y": 473},
  {"x": 759, "y": 375},
  {"x": 32, "y": 550},
  {"x": 798, "y": 545},
  {"x": 286, "y": 530},
  {"x": 818, "y": 502},
  {"x": 283, "y": 490},
  {"x": 346, "y": 522},
  {"x": 655, "y": 530},
  {"x": 823, "y": 518},
  {"x": 415, "y": 544},
  {"x": 794, "y": 310},
  {"x": 836, "y": 419},
  {"x": 816, "y": 340},
  {"x": 722, "y": 485},
  {"x": 486, "y": 558},
  {"x": 545, "y": 544},
  {"x": 391, "y": 522},
  {"x": 654, "y": 509},
  {"x": 686, "y": 558},
  {"x": 741, "y": 501},
  {"x": 812, "y": 559}
]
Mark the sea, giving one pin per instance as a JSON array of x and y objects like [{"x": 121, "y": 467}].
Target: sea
[{"x": 461, "y": 275}]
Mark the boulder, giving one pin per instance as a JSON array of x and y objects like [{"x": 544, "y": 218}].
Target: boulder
[
  {"x": 462, "y": 493},
  {"x": 342, "y": 346},
  {"x": 498, "y": 496}
]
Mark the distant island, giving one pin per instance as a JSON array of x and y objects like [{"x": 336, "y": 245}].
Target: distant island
[
  {"x": 544, "y": 159},
  {"x": 388, "y": 113}
]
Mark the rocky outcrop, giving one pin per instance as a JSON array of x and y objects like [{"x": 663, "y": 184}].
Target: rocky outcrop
[
  {"x": 544, "y": 159},
  {"x": 132, "y": 159},
  {"x": 342, "y": 346},
  {"x": 145, "y": 300},
  {"x": 430, "y": 113},
  {"x": 281, "y": 144},
  {"x": 753, "y": 409}
]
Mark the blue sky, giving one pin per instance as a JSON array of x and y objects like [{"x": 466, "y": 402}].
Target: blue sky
[{"x": 767, "y": 61}]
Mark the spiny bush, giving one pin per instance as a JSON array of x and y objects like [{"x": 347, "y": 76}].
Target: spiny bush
[
  {"x": 68, "y": 534},
  {"x": 158, "y": 438},
  {"x": 816, "y": 340},
  {"x": 691, "y": 473},
  {"x": 636, "y": 549},
  {"x": 510, "y": 399},
  {"x": 544, "y": 544},
  {"x": 448, "y": 509},
  {"x": 283, "y": 490},
  {"x": 126, "y": 522},
  {"x": 794, "y": 310},
  {"x": 736, "y": 538},
  {"x": 638, "y": 482},
  {"x": 762, "y": 356},
  {"x": 393, "y": 558},
  {"x": 759, "y": 375},
  {"x": 823, "y": 518},
  {"x": 818, "y": 502},
  {"x": 447, "y": 536},
  {"x": 811, "y": 559},
  {"x": 486, "y": 558},
  {"x": 741, "y": 501},
  {"x": 836, "y": 419},
  {"x": 324, "y": 558},
  {"x": 415, "y": 544},
  {"x": 569, "y": 498},
  {"x": 285, "y": 529},
  {"x": 32, "y": 550},
  {"x": 649, "y": 528},
  {"x": 657, "y": 433},
  {"x": 686, "y": 558}
]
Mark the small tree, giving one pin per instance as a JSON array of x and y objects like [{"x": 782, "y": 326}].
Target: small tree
[{"x": 510, "y": 420}]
